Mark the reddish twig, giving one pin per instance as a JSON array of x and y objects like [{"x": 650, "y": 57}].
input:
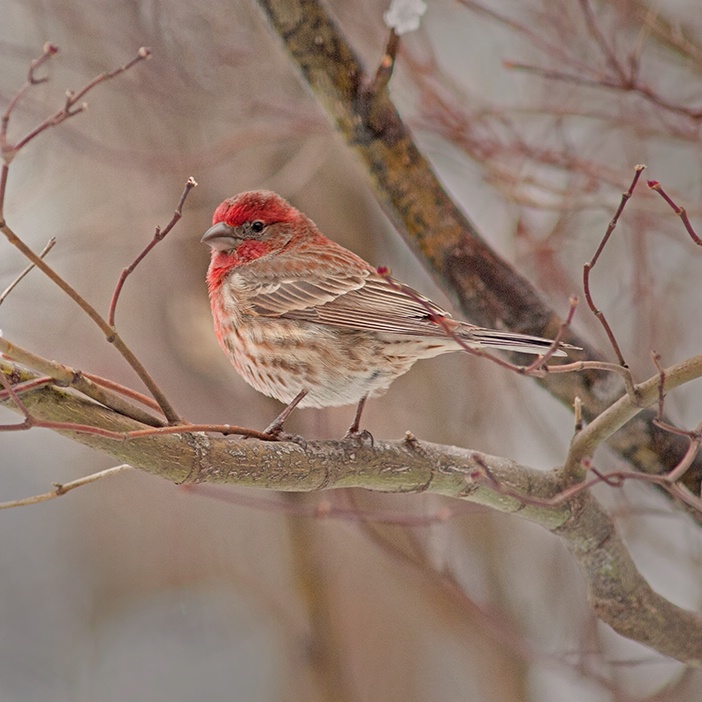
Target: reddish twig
[
  {"x": 225, "y": 429},
  {"x": 656, "y": 358},
  {"x": 535, "y": 369},
  {"x": 27, "y": 385},
  {"x": 532, "y": 33},
  {"x": 14, "y": 283},
  {"x": 680, "y": 211},
  {"x": 30, "y": 421},
  {"x": 540, "y": 362},
  {"x": 71, "y": 107},
  {"x": 668, "y": 482},
  {"x": 597, "y": 81},
  {"x": 122, "y": 390},
  {"x": 690, "y": 455},
  {"x": 694, "y": 435},
  {"x": 577, "y": 415},
  {"x": 159, "y": 235},
  {"x": 48, "y": 51},
  {"x": 563, "y": 76},
  {"x": 615, "y": 479},
  {"x": 109, "y": 331},
  {"x": 587, "y": 268},
  {"x": 12, "y": 393},
  {"x": 658, "y": 419}
]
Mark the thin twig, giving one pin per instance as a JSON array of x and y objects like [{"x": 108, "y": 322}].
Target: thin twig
[
  {"x": 122, "y": 390},
  {"x": 27, "y": 385},
  {"x": 48, "y": 51},
  {"x": 533, "y": 34},
  {"x": 614, "y": 417},
  {"x": 694, "y": 114},
  {"x": 224, "y": 429},
  {"x": 656, "y": 358},
  {"x": 658, "y": 419},
  {"x": 62, "y": 488},
  {"x": 159, "y": 235},
  {"x": 542, "y": 360},
  {"x": 14, "y": 283},
  {"x": 71, "y": 107},
  {"x": 536, "y": 369},
  {"x": 593, "y": 261},
  {"x": 694, "y": 435},
  {"x": 615, "y": 479},
  {"x": 31, "y": 421},
  {"x": 597, "y": 35},
  {"x": 680, "y": 211},
  {"x": 386, "y": 65},
  {"x": 577, "y": 415},
  {"x": 111, "y": 334},
  {"x": 12, "y": 393},
  {"x": 690, "y": 455}
]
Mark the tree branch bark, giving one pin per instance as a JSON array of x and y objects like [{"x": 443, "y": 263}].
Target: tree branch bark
[{"x": 619, "y": 594}]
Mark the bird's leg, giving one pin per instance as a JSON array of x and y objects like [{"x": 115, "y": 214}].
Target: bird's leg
[
  {"x": 275, "y": 428},
  {"x": 353, "y": 432},
  {"x": 353, "y": 429}
]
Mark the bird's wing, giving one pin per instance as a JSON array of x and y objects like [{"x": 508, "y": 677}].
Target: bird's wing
[
  {"x": 318, "y": 273},
  {"x": 358, "y": 300},
  {"x": 290, "y": 297},
  {"x": 364, "y": 300}
]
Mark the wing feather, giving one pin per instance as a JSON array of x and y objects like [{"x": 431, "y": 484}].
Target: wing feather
[
  {"x": 332, "y": 286},
  {"x": 360, "y": 301}
]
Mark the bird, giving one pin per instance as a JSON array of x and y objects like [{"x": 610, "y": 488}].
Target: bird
[{"x": 308, "y": 322}]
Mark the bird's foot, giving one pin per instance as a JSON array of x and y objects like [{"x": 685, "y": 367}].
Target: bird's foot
[
  {"x": 276, "y": 433},
  {"x": 363, "y": 437},
  {"x": 275, "y": 428}
]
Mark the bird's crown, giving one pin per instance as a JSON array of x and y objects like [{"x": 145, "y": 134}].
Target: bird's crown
[{"x": 262, "y": 205}]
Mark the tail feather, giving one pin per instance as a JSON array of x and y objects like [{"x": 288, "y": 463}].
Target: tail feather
[{"x": 512, "y": 341}]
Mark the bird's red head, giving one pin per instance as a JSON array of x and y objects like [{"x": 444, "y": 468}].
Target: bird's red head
[{"x": 249, "y": 226}]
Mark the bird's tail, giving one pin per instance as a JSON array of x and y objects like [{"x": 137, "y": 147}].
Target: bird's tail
[{"x": 511, "y": 341}]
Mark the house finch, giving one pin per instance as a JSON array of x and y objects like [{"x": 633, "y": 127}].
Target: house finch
[{"x": 308, "y": 322}]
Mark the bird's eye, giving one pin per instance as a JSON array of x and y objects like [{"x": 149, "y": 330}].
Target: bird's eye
[{"x": 258, "y": 226}]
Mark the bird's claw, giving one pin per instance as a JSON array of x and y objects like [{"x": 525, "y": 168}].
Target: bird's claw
[
  {"x": 276, "y": 433},
  {"x": 363, "y": 437}
]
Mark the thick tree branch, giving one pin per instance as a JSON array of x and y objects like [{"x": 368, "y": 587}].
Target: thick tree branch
[
  {"x": 626, "y": 409},
  {"x": 63, "y": 375},
  {"x": 489, "y": 291},
  {"x": 617, "y": 591}
]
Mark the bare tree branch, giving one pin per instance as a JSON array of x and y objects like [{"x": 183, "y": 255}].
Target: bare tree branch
[{"x": 617, "y": 591}]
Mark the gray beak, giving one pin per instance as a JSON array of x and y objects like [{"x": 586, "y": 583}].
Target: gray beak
[{"x": 221, "y": 237}]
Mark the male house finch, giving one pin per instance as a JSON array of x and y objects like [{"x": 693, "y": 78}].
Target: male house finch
[{"x": 308, "y": 322}]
